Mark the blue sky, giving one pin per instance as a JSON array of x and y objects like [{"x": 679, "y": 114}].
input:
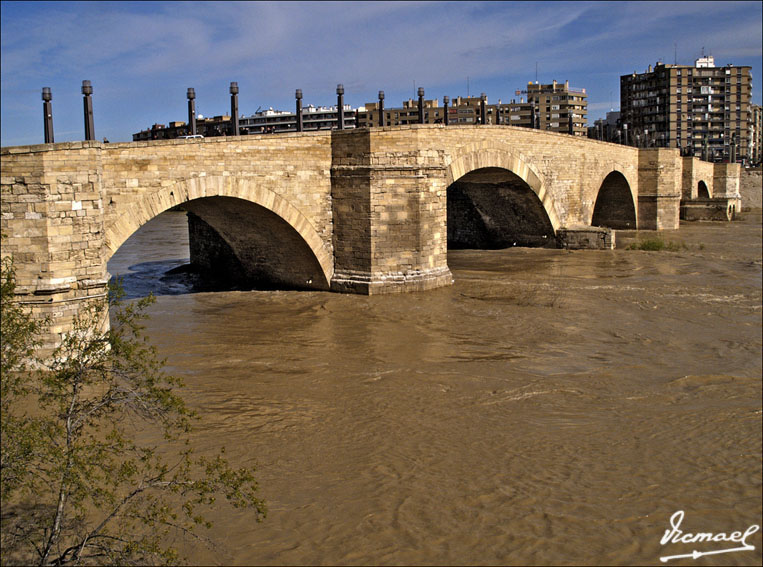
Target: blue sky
[{"x": 142, "y": 56}]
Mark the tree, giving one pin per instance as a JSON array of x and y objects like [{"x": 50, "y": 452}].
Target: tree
[{"x": 78, "y": 484}]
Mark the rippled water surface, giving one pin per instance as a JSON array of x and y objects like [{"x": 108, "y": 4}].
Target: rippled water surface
[{"x": 549, "y": 407}]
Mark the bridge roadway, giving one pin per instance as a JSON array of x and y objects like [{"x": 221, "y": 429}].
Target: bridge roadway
[{"x": 364, "y": 211}]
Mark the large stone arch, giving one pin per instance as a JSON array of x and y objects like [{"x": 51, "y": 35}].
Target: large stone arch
[
  {"x": 481, "y": 155},
  {"x": 616, "y": 205},
  {"x": 149, "y": 206}
]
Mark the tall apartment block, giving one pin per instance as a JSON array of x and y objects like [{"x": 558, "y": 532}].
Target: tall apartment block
[
  {"x": 559, "y": 108},
  {"x": 554, "y": 107},
  {"x": 756, "y": 156},
  {"x": 704, "y": 110}
]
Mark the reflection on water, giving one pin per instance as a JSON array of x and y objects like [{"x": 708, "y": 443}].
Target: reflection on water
[{"x": 549, "y": 407}]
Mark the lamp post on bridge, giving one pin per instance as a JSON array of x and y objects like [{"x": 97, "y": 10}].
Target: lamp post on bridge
[
  {"x": 445, "y": 101},
  {"x": 191, "y": 111},
  {"x": 421, "y": 105},
  {"x": 483, "y": 108},
  {"x": 234, "y": 107},
  {"x": 298, "y": 96},
  {"x": 47, "y": 114},
  {"x": 340, "y": 107},
  {"x": 87, "y": 101},
  {"x": 381, "y": 109}
]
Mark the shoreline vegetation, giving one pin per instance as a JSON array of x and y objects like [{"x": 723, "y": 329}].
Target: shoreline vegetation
[{"x": 76, "y": 485}]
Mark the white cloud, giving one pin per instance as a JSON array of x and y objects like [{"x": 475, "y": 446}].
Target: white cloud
[{"x": 148, "y": 53}]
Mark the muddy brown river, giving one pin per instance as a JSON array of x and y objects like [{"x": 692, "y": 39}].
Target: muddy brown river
[{"x": 551, "y": 407}]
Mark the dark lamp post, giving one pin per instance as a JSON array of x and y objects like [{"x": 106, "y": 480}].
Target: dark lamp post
[
  {"x": 87, "y": 91},
  {"x": 340, "y": 107},
  {"x": 421, "y": 105},
  {"x": 234, "y": 107},
  {"x": 47, "y": 114},
  {"x": 445, "y": 101},
  {"x": 191, "y": 111},
  {"x": 483, "y": 110},
  {"x": 381, "y": 108},
  {"x": 298, "y": 96}
]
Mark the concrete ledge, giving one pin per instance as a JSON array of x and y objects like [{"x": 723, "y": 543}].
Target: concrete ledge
[
  {"x": 586, "y": 238},
  {"x": 366, "y": 283}
]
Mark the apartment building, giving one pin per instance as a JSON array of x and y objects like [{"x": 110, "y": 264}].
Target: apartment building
[
  {"x": 756, "y": 138},
  {"x": 704, "y": 110},
  {"x": 313, "y": 118},
  {"x": 607, "y": 129},
  {"x": 559, "y": 107},
  {"x": 262, "y": 122},
  {"x": 207, "y": 127},
  {"x": 368, "y": 114},
  {"x": 467, "y": 110}
]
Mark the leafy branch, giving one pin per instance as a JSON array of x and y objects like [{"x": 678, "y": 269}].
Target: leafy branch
[{"x": 79, "y": 485}]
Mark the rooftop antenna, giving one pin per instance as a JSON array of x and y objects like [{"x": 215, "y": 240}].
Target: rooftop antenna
[
  {"x": 467, "y": 86},
  {"x": 536, "y": 71},
  {"x": 675, "y": 53}
]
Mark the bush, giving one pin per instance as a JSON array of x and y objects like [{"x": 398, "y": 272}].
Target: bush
[
  {"x": 77, "y": 486},
  {"x": 657, "y": 244}
]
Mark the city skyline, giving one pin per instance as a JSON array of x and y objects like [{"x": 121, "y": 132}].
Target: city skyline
[{"x": 142, "y": 57}]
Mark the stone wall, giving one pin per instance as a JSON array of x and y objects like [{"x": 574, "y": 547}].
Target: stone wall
[
  {"x": 389, "y": 212},
  {"x": 751, "y": 187},
  {"x": 543, "y": 160},
  {"x": 52, "y": 221},
  {"x": 354, "y": 210},
  {"x": 288, "y": 175}
]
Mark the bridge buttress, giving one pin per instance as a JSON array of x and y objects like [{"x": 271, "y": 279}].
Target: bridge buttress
[
  {"x": 388, "y": 200},
  {"x": 726, "y": 178},
  {"x": 659, "y": 189},
  {"x": 52, "y": 222}
]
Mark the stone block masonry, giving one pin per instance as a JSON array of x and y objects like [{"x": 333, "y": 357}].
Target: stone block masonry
[
  {"x": 751, "y": 188},
  {"x": 362, "y": 211}
]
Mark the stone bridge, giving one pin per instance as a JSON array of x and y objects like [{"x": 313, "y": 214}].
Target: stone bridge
[{"x": 364, "y": 211}]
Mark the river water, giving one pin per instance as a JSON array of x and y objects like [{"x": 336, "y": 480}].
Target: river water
[{"x": 551, "y": 407}]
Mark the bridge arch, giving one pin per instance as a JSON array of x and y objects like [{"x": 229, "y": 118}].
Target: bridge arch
[
  {"x": 615, "y": 205},
  {"x": 149, "y": 206},
  {"x": 702, "y": 190},
  {"x": 485, "y": 155}
]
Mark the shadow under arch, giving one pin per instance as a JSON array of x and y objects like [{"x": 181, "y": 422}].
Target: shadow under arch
[
  {"x": 702, "y": 190},
  {"x": 615, "y": 206},
  {"x": 497, "y": 155},
  {"x": 492, "y": 208},
  {"x": 280, "y": 219}
]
